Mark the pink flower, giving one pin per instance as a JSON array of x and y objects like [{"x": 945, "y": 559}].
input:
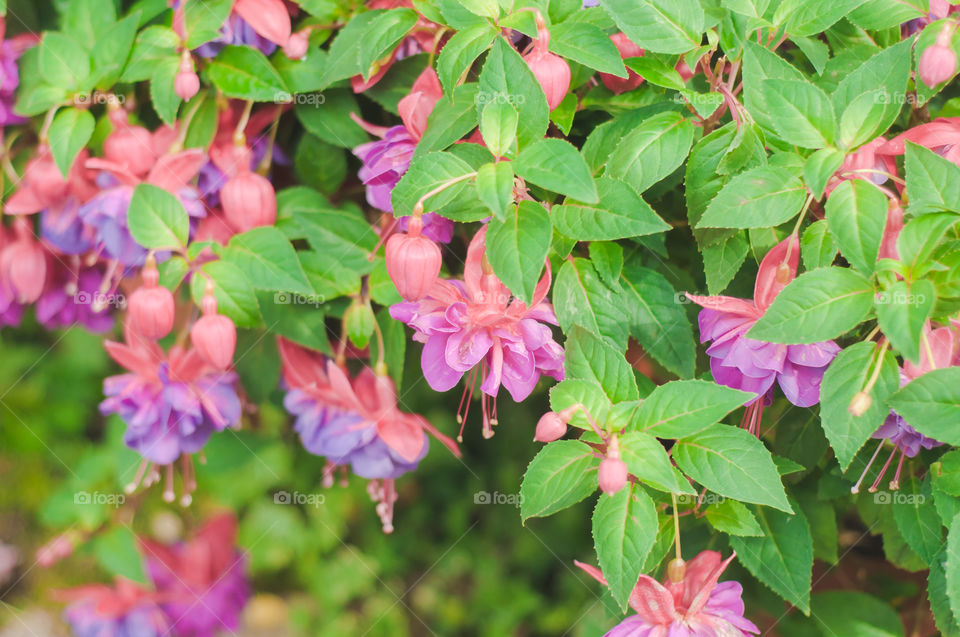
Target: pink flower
[
  {"x": 942, "y": 136},
  {"x": 938, "y": 62},
  {"x": 754, "y": 366},
  {"x": 627, "y": 49},
  {"x": 695, "y": 606},
  {"x": 551, "y": 70},
  {"x": 476, "y": 326}
]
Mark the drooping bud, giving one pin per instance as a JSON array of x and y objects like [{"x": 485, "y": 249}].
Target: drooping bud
[
  {"x": 937, "y": 64},
  {"x": 151, "y": 307},
  {"x": 676, "y": 569},
  {"x": 550, "y": 427},
  {"x": 612, "y": 474},
  {"x": 25, "y": 264},
  {"x": 627, "y": 49},
  {"x": 552, "y": 71},
  {"x": 249, "y": 201},
  {"x": 297, "y": 46},
  {"x": 413, "y": 261},
  {"x": 214, "y": 336},
  {"x": 187, "y": 83},
  {"x": 860, "y": 404}
]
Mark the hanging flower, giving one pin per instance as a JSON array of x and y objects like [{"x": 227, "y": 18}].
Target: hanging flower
[
  {"x": 476, "y": 326},
  {"x": 73, "y": 296},
  {"x": 123, "y": 610}
]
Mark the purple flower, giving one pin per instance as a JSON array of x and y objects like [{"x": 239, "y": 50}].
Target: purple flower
[
  {"x": 753, "y": 366},
  {"x": 62, "y": 227},
  {"x": 73, "y": 298},
  {"x": 236, "y": 31},
  {"x": 10, "y": 52},
  {"x": 384, "y": 163},
  {"x": 168, "y": 413},
  {"x": 900, "y": 434},
  {"x": 123, "y": 611}
]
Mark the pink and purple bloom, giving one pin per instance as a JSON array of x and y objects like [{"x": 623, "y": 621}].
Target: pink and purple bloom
[
  {"x": 10, "y": 52},
  {"x": 697, "y": 605},
  {"x": 201, "y": 584},
  {"x": 476, "y": 326},
  {"x": 755, "y": 366},
  {"x": 124, "y": 610},
  {"x": 74, "y": 296}
]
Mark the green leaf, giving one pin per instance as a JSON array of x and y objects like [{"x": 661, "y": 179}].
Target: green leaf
[
  {"x": 857, "y": 215},
  {"x": 63, "y": 62},
  {"x": 427, "y": 173},
  {"x": 931, "y": 404},
  {"x": 847, "y": 375},
  {"x": 235, "y": 297},
  {"x": 817, "y": 306},
  {"x": 920, "y": 237},
  {"x": 111, "y": 51},
  {"x": 819, "y": 168},
  {"x": 937, "y": 594},
  {"x": 557, "y": 165},
  {"x": 917, "y": 519},
  {"x": 607, "y": 259},
  {"x": 202, "y": 20},
  {"x": 460, "y": 52},
  {"x": 655, "y": 71},
  {"x": 157, "y": 219},
  {"x": 682, "y": 408},
  {"x": 817, "y": 246},
  {"x": 116, "y": 552},
  {"x": 802, "y": 113},
  {"x": 657, "y": 320},
  {"x": 451, "y": 119},
  {"x": 153, "y": 44},
  {"x": 883, "y": 79},
  {"x": 69, "y": 133},
  {"x": 661, "y": 26},
  {"x": 295, "y": 317},
  {"x": 506, "y": 77},
  {"x": 783, "y": 558},
  {"x": 245, "y": 73},
  {"x": 329, "y": 118},
  {"x": 87, "y": 20},
  {"x": 589, "y": 357},
  {"x": 760, "y": 64},
  {"x": 734, "y": 463},
  {"x": 343, "y": 236},
  {"x": 588, "y": 393},
  {"x": 733, "y": 518},
  {"x": 646, "y": 458},
  {"x": 652, "y": 150},
  {"x": 495, "y": 187},
  {"x": 952, "y": 564},
  {"x": 164, "y": 99},
  {"x": 517, "y": 247},
  {"x": 203, "y": 124},
  {"x": 559, "y": 476},
  {"x": 758, "y": 198},
  {"x": 902, "y": 311},
  {"x": 586, "y": 44},
  {"x": 366, "y": 38},
  {"x": 809, "y": 17},
  {"x": 621, "y": 213},
  {"x": 268, "y": 260},
  {"x": 854, "y": 613},
  {"x": 498, "y": 126},
  {"x": 624, "y": 530},
  {"x": 581, "y": 298},
  {"x": 933, "y": 183},
  {"x": 722, "y": 261}
]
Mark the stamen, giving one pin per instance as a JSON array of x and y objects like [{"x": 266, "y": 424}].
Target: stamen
[
  {"x": 137, "y": 479},
  {"x": 873, "y": 487},
  {"x": 168, "y": 494},
  {"x": 465, "y": 401},
  {"x": 855, "y": 489},
  {"x": 895, "y": 483}
]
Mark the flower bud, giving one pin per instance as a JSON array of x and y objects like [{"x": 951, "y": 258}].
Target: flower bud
[
  {"x": 860, "y": 404},
  {"x": 151, "y": 307},
  {"x": 248, "y": 201},
  {"x": 553, "y": 73},
  {"x": 297, "y": 46},
  {"x": 413, "y": 261},
  {"x": 24, "y": 264},
  {"x": 627, "y": 49},
  {"x": 214, "y": 336},
  {"x": 550, "y": 427},
  {"x": 612, "y": 475},
  {"x": 186, "y": 84},
  {"x": 676, "y": 569},
  {"x": 937, "y": 64}
]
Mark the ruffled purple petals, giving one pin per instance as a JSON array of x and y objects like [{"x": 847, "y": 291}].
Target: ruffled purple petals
[
  {"x": 74, "y": 299},
  {"x": 87, "y": 619}
]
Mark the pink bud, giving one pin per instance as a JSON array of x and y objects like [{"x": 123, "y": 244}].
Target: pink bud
[
  {"x": 269, "y": 18},
  {"x": 550, "y": 427},
  {"x": 413, "y": 261},
  {"x": 612, "y": 475},
  {"x": 186, "y": 84},
  {"x": 553, "y": 73},
  {"x": 130, "y": 147},
  {"x": 151, "y": 307},
  {"x": 627, "y": 49},
  {"x": 937, "y": 64},
  {"x": 684, "y": 70},
  {"x": 214, "y": 335},
  {"x": 248, "y": 201},
  {"x": 25, "y": 264},
  {"x": 297, "y": 46}
]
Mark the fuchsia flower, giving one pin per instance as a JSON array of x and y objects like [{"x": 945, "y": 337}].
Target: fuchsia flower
[
  {"x": 476, "y": 326},
  {"x": 10, "y": 52},
  {"x": 171, "y": 404},
  {"x": 754, "y": 366},
  {"x": 72, "y": 297},
  {"x": 413, "y": 261},
  {"x": 551, "y": 70},
  {"x": 627, "y": 49},
  {"x": 695, "y": 606},
  {"x": 201, "y": 584},
  {"x": 354, "y": 422},
  {"x": 942, "y": 136},
  {"x": 123, "y": 610}
]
